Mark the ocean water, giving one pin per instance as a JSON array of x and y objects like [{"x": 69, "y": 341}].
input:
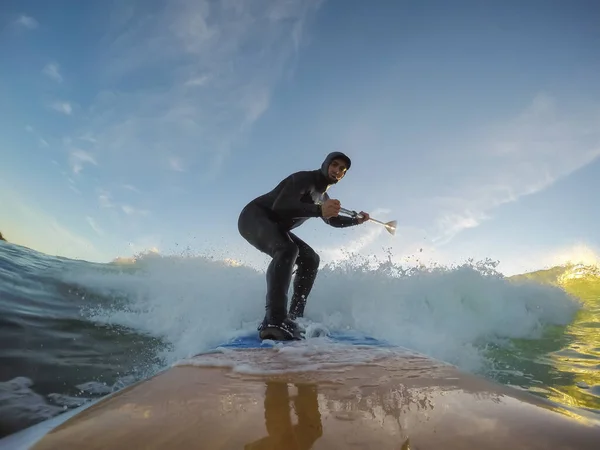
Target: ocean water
[{"x": 71, "y": 331}]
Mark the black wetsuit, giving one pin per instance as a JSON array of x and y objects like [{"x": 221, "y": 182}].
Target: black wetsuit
[{"x": 266, "y": 222}]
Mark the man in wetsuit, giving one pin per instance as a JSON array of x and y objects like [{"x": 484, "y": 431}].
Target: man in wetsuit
[{"x": 266, "y": 222}]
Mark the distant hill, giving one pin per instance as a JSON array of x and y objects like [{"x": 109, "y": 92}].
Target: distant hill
[
  {"x": 546, "y": 276},
  {"x": 2, "y": 237},
  {"x": 580, "y": 280},
  {"x": 560, "y": 274}
]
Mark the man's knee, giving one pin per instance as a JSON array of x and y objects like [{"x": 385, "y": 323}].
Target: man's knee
[
  {"x": 316, "y": 260},
  {"x": 287, "y": 251},
  {"x": 247, "y": 224},
  {"x": 310, "y": 261}
]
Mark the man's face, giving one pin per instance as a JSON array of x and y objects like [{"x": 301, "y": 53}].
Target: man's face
[{"x": 337, "y": 169}]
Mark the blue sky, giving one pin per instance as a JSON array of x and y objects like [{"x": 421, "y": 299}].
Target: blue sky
[{"x": 142, "y": 124}]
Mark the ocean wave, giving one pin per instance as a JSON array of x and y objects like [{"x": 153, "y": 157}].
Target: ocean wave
[{"x": 450, "y": 313}]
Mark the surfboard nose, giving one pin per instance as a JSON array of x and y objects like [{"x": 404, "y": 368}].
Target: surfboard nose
[{"x": 260, "y": 399}]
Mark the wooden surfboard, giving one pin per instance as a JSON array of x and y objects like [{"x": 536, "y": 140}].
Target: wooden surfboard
[{"x": 306, "y": 396}]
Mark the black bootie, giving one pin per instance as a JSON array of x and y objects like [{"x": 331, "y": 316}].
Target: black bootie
[{"x": 288, "y": 330}]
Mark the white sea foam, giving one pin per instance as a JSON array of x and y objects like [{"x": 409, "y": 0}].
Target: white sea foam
[{"x": 451, "y": 314}]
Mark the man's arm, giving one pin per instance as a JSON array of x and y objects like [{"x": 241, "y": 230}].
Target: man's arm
[
  {"x": 339, "y": 221},
  {"x": 288, "y": 204}
]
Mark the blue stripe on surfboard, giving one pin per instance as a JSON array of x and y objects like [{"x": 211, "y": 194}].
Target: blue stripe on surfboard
[{"x": 252, "y": 341}]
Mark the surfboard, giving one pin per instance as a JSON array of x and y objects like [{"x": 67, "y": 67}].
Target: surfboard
[{"x": 334, "y": 392}]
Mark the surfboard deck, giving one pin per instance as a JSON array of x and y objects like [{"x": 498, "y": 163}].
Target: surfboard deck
[{"x": 334, "y": 393}]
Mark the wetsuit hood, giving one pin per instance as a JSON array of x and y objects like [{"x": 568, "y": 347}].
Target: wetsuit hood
[{"x": 331, "y": 157}]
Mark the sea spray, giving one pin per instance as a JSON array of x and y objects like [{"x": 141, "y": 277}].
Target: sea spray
[{"x": 450, "y": 313}]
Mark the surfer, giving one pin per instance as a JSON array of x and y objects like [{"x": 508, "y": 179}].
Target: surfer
[{"x": 266, "y": 222}]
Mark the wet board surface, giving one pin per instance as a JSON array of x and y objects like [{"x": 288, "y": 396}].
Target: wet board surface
[{"x": 320, "y": 394}]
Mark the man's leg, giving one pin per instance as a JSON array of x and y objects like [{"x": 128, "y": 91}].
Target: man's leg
[
  {"x": 279, "y": 275},
  {"x": 308, "y": 266},
  {"x": 264, "y": 234}
]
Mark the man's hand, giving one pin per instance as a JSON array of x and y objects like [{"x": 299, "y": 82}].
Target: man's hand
[
  {"x": 331, "y": 208},
  {"x": 363, "y": 217}
]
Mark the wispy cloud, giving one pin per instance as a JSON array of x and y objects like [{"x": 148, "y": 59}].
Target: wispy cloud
[
  {"x": 213, "y": 66},
  {"x": 88, "y": 138},
  {"x": 176, "y": 164},
  {"x": 217, "y": 63},
  {"x": 130, "y": 211},
  {"x": 496, "y": 165},
  {"x": 255, "y": 103},
  {"x": 104, "y": 199},
  {"x": 31, "y": 226},
  {"x": 52, "y": 70},
  {"x": 41, "y": 141},
  {"x": 99, "y": 231},
  {"x": 510, "y": 160},
  {"x": 27, "y": 22},
  {"x": 78, "y": 158},
  {"x": 198, "y": 81},
  {"x": 450, "y": 223},
  {"x": 62, "y": 107},
  {"x": 131, "y": 188}
]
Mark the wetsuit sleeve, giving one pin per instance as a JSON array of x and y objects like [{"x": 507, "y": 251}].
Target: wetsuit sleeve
[
  {"x": 288, "y": 204},
  {"x": 339, "y": 221}
]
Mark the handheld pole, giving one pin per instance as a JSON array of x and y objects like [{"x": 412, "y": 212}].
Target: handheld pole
[{"x": 389, "y": 226}]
